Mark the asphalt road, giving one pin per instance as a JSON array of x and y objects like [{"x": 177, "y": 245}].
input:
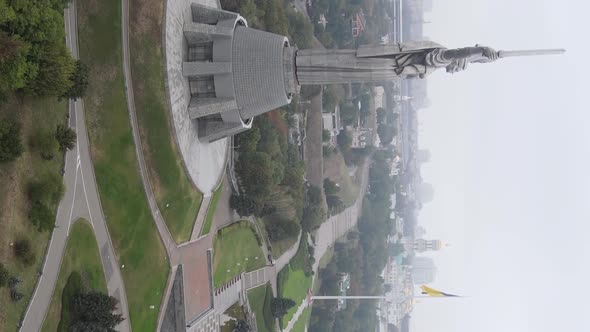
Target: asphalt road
[{"x": 81, "y": 200}]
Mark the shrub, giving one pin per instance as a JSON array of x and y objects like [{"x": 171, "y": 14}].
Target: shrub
[
  {"x": 23, "y": 251},
  {"x": 41, "y": 216},
  {"x": 66, "y": 137},
  {"x": 15, "y": 295},
  {"x": 79, "y": 79},
  {"x": 11, "y": 146},
  {"x": 280, "y": 306},
  {"x": 13, "y": 282}
]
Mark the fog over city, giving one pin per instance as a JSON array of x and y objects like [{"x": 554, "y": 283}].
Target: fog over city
[{"x": 510, "y": 158}]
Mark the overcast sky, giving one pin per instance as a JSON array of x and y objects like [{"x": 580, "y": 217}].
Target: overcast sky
[{"x": 510, "y": 144}]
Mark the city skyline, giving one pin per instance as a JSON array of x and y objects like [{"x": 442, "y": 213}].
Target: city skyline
[{"x": 509, "y": 162}]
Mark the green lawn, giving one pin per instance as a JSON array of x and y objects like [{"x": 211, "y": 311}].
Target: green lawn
[
  {"x": 81, "y": 256},
  {"x": 260, "y": 299},
  {"x": 177, "y": 198},
  {"x": 235, "y": 251},
  {"x": 38, "y": 117},
  {"x": 130, "y": 223},
  {"x": 292, "y": 281},
  {"x": 302, "y": 321},
  {"x": 211, "y": 210}
]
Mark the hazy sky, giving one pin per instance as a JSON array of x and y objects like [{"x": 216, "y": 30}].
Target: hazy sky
[{"x": 510, "y": 145}]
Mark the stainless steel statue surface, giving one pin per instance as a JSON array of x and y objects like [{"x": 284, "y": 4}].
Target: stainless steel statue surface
[{"x": 386, "y": 62}]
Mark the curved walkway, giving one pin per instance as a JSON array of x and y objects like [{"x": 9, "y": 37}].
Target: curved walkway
[
  {"x": 81, "y": 200},
  {"x": 193, "y": 256}
]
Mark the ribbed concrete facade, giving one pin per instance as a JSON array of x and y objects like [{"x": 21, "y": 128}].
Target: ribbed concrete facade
[
  {"x": 258, "y": 71},
  {"x": 235, "y": 73}
]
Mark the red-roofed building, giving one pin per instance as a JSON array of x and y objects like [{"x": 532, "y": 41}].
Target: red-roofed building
[{"x": 358, "y": 23}]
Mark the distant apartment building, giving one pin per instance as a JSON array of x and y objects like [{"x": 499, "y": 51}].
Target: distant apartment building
[{"x": 423, "y": 270}]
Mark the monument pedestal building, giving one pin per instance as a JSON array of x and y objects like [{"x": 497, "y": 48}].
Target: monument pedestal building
[{"x": 235, "y": 73}]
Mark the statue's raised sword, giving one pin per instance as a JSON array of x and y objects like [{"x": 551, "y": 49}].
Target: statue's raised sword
[{"x": 516, "y": 53}]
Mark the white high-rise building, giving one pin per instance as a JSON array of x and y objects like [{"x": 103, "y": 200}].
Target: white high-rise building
[{"x": 423, "y": 270}]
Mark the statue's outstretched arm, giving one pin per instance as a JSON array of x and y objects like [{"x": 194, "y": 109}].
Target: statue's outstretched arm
[{"x": 470, "y": 52}]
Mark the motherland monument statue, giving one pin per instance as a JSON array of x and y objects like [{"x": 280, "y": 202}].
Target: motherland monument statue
[{"x": 236, "y": 73}]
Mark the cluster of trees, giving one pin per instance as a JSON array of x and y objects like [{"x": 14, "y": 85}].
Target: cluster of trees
[
  {"x": 386, "y": 125},
  {"x": 274, "y": 16},
  {"x": 271, "y": 173},
  {"x": 33, "y": 56},
  {"x": 11, "y": 146},
  {"x": 338, "y": 34},
  {"x": 363, "y": 257},
  {"x": 87, "y": 311},
  {"x": 313, "y": 210}
]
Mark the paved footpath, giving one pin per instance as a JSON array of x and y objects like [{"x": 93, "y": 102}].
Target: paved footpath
[
  {"x": 331, "y": 230},
  {"x": 81, "y": 200}
]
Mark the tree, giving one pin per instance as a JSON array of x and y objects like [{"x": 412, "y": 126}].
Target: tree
[
  {"x": 41, "y": 216},
  {"x": 79, "y": 80},
  {"x": 349, "y": 113},
  {"x": 386, "y": 133},
  {"x": 44, "y": 195},
  {"x": 56, "y": 67},
  {"x": 10, "y": 142},
  {"x": 23, "y": 251},
  {"x": 250, "y": 11},
  {"x": 326, "y": 135},
  {"x": 66, "y": 137},
  {"x": 335, "y": 204},
  {"x": 300, "y": 29},
  {"x": 279, "y": 306},
  {"x": 93, "y": 311},
  {"x": 344, "y": 139},
  {"x": 242, "y": 326},
  {"x": 3, "y": 276},
  {"x": 37, "y": 60},
  {"x": 248, "y": 140},
  {"x": 380, "y": 114},
  {"x": 281, "y": 228},
  {"x": 330, "y": 187}
]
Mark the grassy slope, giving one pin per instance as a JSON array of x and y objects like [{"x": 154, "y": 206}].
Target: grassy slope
[
  {"x": 81, "y": 255},
  {"x": 335, "y": 169},
  {"x": 292, "y": 281},
  {"x": 35, "y": 116},
  {"x": 236, "y": 244},
  {"x": 121, "y": 191},
  {"x": 260, "y": 299},
  {"x": 177, "y": 198},
  {"x": 211, "y": 210}
]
